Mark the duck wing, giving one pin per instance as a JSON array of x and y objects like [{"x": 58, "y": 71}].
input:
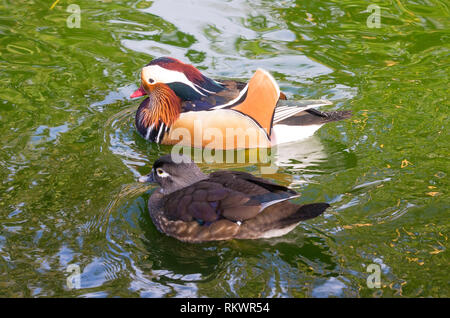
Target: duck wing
[
  {"x": 313, "y": 117},
  {"x": 233, "y": 93},
  {"x": 224, "y": 196},
  {"x": 231, "y": 90},
  {"x": 249, "y": 184}
]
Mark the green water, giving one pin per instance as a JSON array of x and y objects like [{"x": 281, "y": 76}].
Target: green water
[{"x": 70, "y": 155}]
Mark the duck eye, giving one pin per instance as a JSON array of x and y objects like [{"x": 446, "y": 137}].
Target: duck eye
[
  {"x": 151, "y": 80},
  {"x": 161, "y": 173}
]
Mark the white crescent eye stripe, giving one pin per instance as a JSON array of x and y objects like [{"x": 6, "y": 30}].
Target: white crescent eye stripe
[{"x": 162, "y": 75}]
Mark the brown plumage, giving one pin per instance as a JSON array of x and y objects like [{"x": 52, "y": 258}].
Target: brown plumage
[{"x": 194, "y": 207}]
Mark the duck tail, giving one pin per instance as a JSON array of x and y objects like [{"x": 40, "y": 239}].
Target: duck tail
[
  {"x": 304, "y": 212},
  {"x": 279, "y": 221},
  {"x": 261, "y": 99}
]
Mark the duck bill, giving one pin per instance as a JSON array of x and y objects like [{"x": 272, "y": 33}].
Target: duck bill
[
  {"x": 140, "y": 92},
  {"x": 147, "y": 178}
]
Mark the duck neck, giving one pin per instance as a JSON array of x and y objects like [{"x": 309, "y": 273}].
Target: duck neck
[{"x": 162, "y": 107}]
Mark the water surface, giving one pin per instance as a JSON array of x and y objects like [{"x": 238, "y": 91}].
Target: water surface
[{"x": 70, "y": 155}]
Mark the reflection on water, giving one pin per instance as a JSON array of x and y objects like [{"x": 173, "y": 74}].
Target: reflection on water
[
  {"x": 70, "y": 155},
  {"x": 300, "y": 158}
]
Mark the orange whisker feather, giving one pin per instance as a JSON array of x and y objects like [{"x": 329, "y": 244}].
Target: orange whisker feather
[{"x": 164, "y": 106}]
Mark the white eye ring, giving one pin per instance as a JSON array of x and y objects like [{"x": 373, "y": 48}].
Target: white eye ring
[{"x": 161, "y": 173}]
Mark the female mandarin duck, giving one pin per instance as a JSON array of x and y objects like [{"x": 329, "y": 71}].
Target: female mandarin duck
[
  {"x": 186, "y": 107},
  {"x": 194, "y": 207}
]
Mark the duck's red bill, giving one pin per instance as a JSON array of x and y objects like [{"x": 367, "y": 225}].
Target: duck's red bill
[{"x": 140, "y": 92}]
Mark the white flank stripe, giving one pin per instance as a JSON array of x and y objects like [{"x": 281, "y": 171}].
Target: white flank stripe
[
  {"x": 234, "y": 100},
  {"x": 149, "y": 130},
  {"x": 204, "y": 89},
  {"x": 159, "y": 133}
]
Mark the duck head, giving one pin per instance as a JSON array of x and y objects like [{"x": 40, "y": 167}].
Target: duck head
[
  {"x": 185, "y": 80},
  {"x": 161, "y": 108},
  {"x": 172, "y": 175}
]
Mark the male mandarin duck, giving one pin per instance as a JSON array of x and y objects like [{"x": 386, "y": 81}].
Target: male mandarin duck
[
  {"x": 186, "y": 107},
  {"x": 194, "y": 207}
]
